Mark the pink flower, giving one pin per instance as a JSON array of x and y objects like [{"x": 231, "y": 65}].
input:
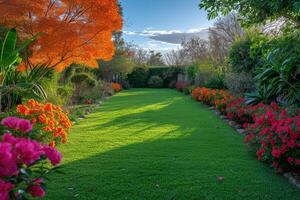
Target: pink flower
[
  {"x": 15, "y": 123},
  {"x": 52, "y": 154},
  {"x": 290, "y": 160},
  {"x": 7, "y": 137},
  {"x": 36, "y": 191},
  {"x": 5, "y": 188},
  {"x": 10, "y": 122},
  {"x": 24, "y": 126},
  {"x": 276, "y": 153},
  {"x": 8, "y": 164},
  {"x": 28, "y": 151}
]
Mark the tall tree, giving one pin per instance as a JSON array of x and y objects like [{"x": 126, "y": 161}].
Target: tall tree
[
  {"x": 254, "y": 11},
  {"x": 221, "y": 36},
  {"x": 72, "y": 30}
]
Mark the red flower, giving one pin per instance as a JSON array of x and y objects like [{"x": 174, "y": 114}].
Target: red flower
[{"x": 276, "y": 153}]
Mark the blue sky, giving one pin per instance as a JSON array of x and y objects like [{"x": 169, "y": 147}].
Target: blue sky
[{"x": 162, "y": 24}]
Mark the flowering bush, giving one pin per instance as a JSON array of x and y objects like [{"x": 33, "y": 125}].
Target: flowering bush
[
  {"x": 23, "y": 161},
  {"x": 51, "y": 123},
  {"x": 212, "y": 97},
  {"x": 117, "y": 87},
  {"x": 276, "y": 137},
  {"x": 238, "y": 111}
]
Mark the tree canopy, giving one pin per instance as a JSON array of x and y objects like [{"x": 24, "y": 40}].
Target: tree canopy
[
  {"x": 254, "y": 11},
  {"x": 72, "y": 30}
]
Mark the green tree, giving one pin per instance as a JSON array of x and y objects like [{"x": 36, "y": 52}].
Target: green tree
[{"x": 254, "y": 11}]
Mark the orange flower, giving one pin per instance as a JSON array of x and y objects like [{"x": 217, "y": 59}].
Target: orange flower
[
  {"x": 51, "y": 119},
  {"x": 48, "y": 107},
  {"x": 22, "y": 109},
  {"x": 52, "y": 143}
]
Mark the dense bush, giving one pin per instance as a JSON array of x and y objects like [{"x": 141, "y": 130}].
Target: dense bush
[
  {"x": 155, "y": 82},
  {"x": 125, "y": 84},
  {"x": 216, "y": 82},
  {"x": 138, "y": 78},
  {"x": 246, "y": 54},
  {"x": 275, "y": 136},
  {"x": 240, "y": 83},
  {"x": 279, "y": 78}
]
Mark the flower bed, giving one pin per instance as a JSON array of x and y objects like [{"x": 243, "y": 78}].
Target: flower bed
[
  {"x": 27, "y": 146},
  {"x": 271, "y": 130},
  {"x": 117, "y": 87}
]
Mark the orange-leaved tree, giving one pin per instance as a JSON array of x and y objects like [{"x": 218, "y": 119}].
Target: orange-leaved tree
[{"x": 71, "y": 30}]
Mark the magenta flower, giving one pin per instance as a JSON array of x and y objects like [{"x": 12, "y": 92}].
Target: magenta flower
[
  {"x": 28, "y": 151},
  {"x": 5, "y": 188},
  {"x": 24, "y": 126},
  {"x": 19, "y": 124},
  {"x": 10, "y": 122},
  {"x": 7, "y": 137},
  {"x": 8, "y": 164},
  {"x": 52, "y": 154}
]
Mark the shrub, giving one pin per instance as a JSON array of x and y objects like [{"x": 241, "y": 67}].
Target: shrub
[
  {"x": 274, "y": 135},
  {"x": 246, "y": 54},
  {"x": 107, "y": 89},
  {"x": 212, "y": 97},
  {"x": 181, "y": 85},
  {"x": 240, "y": 83},
  {"x": 188, "y": 90},
  {"x": 279, "y": 79},
  {"x": 53, "y": 124},
  {"x": 155, "y": 82},
  {"x": 125, "y": 85},
  {"x": 215, "y": 82},
  {"x": 117, "y": 87},
  {"x": 138, "y": 78}
]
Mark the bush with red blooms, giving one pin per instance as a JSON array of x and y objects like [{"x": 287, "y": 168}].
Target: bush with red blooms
[
  {"x": 276, "y": 136},
  {"x": 237, "y": 110},
  {"x": 117, "y": 87},
  {"x": 23, "y": 161},
  {"x": 181, "y": 85},
  {"x": 212, "y": 97}
]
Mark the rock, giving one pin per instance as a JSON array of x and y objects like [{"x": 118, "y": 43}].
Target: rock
[
  {"x": 220, "y": 178},
  {"x": 223, "y": 117},
  {"x": 241, "y": 131},
  {"x": 232, "y": 123}
]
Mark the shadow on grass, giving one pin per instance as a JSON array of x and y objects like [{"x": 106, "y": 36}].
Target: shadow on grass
[{"x": 165, "y": 147}]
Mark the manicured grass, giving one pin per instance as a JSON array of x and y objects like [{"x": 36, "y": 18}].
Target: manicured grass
[{"x": 161, "y": 145}]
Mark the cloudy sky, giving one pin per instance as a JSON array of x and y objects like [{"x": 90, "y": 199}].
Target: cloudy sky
[{"x": 162, "y": 24}]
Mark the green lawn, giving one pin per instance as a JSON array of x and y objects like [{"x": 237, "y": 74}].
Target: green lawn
[{"x": 161, "y": 145}]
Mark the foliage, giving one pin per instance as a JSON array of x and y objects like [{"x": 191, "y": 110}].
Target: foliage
[
  {"x": 73, "y": 31},
  {"x": 125, "y": 84},
  {"x": 279, "y": 79},
  {"x": 15, "y": 84},
  {"x": 117, "y": 87},
  {"x": 216, "y": 82},
  {"x": 274, "y": 137},
  {"x": 155, "y": 82},
  {"x": 107, "y": 89},
  {"x": 119, "y": 65},
  {"x": 240, "y": 83},
  {"x": 192, "y": 71},
  {"x": 253, "y": 11},
  {"x": 51, "y": 121},
  {"x": 57, "y": 93},
  {"x": 246, "y": 53},
  {"x": 138, "y": 78}
]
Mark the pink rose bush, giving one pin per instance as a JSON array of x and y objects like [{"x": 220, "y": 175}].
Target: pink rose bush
[{"x": 19, "y": 157}]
